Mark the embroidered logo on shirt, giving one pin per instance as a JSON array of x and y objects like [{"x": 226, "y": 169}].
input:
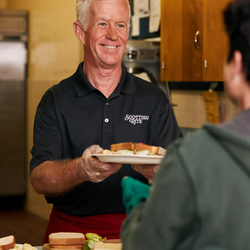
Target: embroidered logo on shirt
[{"x": 136, "y": 119}]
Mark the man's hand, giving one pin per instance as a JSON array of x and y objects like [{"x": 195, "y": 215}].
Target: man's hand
[
  {"x": 148, "y": 171},
  {"x": 91, "y": 169}
]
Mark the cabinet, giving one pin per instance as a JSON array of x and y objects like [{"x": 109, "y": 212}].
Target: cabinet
[{"x": 193, "y": 40}]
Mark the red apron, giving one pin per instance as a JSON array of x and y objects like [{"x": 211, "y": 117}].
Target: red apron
[{"x": 105, "y": 225}]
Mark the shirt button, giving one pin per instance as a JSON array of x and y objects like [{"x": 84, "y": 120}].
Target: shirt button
[
  {"x": 106, "y": 120},
  {"x": 106, "y": 104}
]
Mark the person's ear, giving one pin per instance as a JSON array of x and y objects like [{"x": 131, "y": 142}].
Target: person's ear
[
  {"x": 79, "y": 32},
  {"x": 238, "y": 64}
]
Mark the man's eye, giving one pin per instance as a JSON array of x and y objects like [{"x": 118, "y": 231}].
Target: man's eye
[
  {"x": 102, "y": 24},
  {"x": 121, "y": 26}
]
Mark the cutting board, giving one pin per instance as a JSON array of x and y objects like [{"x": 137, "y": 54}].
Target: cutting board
[
  {"x": 98, "y": 246},
  {"x": 108, "y": 246}
]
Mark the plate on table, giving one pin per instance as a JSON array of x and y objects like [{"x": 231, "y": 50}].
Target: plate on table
[
  {"x": 20, "y": 246},
  {"x": 129, "y": 159}
]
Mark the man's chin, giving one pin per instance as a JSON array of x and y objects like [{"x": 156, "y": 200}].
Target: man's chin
[{"x": 110, "y": 64}]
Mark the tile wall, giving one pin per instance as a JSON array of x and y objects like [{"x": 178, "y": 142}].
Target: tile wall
[
  {"x": 190, "y": 111},
  {"x": 3, "y": 4}
]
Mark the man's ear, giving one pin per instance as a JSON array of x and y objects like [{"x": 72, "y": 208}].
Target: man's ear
[
  {"x": 79, "y": 32},
  {"x": 238, "y": 64}
]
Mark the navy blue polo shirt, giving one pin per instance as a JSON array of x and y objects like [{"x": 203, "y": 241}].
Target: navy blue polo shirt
[{"x": 74, "y": 115}]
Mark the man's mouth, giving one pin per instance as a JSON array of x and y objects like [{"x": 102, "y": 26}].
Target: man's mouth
[{"x": 109, "y": 47}]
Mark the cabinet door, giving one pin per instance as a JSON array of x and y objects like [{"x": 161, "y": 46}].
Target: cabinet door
[
  {"x": 215, "y": 44},
  {"x": 180, "y": 58}
]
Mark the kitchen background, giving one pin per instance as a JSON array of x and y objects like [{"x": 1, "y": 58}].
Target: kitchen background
[{"x": 54, "y": 53}]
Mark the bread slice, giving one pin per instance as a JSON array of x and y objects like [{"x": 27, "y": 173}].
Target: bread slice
[
  {"x": 143, "y": 146},
  {"x": 66, "y": 238},
  {"x": 122, "y": 146},
  {"x": 7, "y": 242}
]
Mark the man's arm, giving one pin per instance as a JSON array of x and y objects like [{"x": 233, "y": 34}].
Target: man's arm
[{"x": 54, "y": 178}]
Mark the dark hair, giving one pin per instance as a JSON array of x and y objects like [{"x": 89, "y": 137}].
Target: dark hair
[{"x": 237, "y": 22}]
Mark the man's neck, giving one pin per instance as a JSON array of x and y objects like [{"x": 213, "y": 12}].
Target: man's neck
[{"x": 105, "y": 80}]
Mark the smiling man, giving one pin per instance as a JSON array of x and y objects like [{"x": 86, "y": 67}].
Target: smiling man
[
  {"x": 104, "y": 39},
  {"x": 88, "y": 112}
]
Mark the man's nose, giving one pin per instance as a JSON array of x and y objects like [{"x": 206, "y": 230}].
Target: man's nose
[{"x": 111, "y": 33}]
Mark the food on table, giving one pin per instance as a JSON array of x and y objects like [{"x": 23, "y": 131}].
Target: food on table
[
  {"x": 7, "y": 242},
  {"x": 66, "y": 240},
  {"x": 131, "y": 148},
  {"x": 27, "y": 246},
  {"x": 92, "y": 239},
  {"x": 72, "y": 241}
]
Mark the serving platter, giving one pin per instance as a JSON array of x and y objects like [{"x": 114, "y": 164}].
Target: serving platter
[{"x": 129, "y": 159}]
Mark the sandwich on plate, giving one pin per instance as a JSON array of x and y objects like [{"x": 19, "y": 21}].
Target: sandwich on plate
[{"x": 131, "y": 148}]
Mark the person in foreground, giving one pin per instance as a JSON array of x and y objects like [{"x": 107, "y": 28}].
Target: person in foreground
[
  {"x": 200, "y": 198},
  {"x": 99, "y": 105}
]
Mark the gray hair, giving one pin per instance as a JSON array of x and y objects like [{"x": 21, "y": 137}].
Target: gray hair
[{"x": 82, "y": 12}]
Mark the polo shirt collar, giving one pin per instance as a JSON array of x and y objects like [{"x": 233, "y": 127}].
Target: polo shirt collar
[
  {"x": 127, "y": 83},
  {"x": 84, "y": 87}
]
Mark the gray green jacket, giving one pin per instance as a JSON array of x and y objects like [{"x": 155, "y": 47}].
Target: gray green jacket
[{"x": 200, "y": 198}]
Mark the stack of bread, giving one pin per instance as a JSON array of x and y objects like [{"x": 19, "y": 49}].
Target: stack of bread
[{"x": 65, "y": 241}]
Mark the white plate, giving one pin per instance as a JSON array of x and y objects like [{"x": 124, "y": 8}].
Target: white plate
[
  {"x": 129, "y": 159},
  {"x": 20, "y": 246}
]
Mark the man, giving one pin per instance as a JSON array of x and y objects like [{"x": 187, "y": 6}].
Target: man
[
  {"x": 99, "y": 105},
  {"x": 200, "y": 195}
]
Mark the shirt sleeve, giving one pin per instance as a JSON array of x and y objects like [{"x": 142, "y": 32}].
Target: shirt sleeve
[
  {"x": 169, "y": 213},
  {"x": 47, "y": 137}
]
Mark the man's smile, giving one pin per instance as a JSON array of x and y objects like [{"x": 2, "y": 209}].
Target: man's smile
[{"x": 109, "y": 47}]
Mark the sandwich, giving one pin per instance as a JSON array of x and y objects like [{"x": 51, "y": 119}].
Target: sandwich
[
  {"x": 131, "y": 148},
  {"x": 65, "y": 241},
  {"x": 144, "y": 149},
  {"x": 7, "y": 242},
  {"x": 72, "y": 241}
]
